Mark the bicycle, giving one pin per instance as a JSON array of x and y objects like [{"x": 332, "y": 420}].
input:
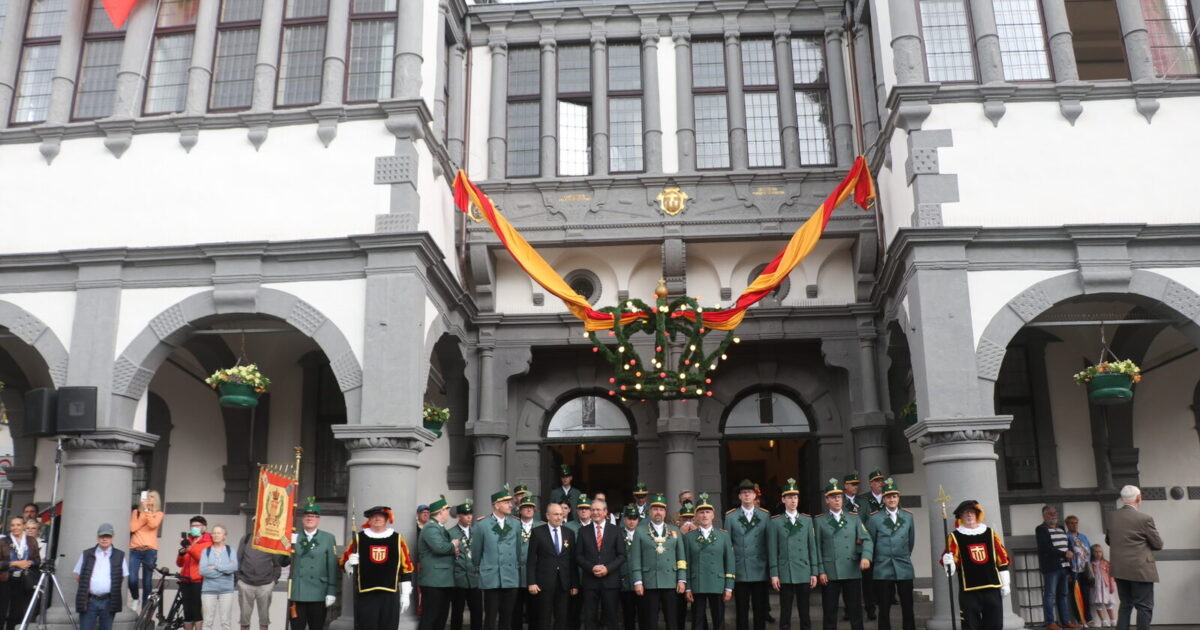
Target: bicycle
[{"x": 151, "y": 616}]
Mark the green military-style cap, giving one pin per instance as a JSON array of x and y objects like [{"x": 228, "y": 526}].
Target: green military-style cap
[
  {"x": 851, "y": 478},
  {"x": 564, "y": 470},
  {"x": 438, "y": 505},
  {"x": 876, "y": 474},
  {"x": 465, "y": 508},
  {"x": 688, "y": 510},
  {"x": 631, "y": 511},
  {"x": 746, "y": 484},
  {"x": 640, "y": 489},
  {"x": 659, "y": 499},
  {"x": 529, "y": 500},
  {"x": 789, "y": 488},
  {"x": 584, "y": 502},
  {"x": 833, "y": 488},
  {"x": 311, "y": 507},
  {"x": 704, "y": 503},
  {"x": 890, "y": 487},
  {"x": 520, "y": 490},
  {"x": 502, "y": 495}
]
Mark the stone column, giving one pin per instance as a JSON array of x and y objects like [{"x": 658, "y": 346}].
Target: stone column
[
  {"x": 739, "y": 148},
  {"x": 678, "y": 430},
  {"x": 1062, "y": 48},
  {"x": 96, "y": 488},
  {"x": 11, "y": 38},
  {"x": 131, "y": 78},
  {"x": 549, "y": 119},
  {"x": 867, "y": 97},
  {"x": 786, "y": 80},
  {"x": 441, "y": 68},
  {"x": 266, "y": 67},
  {"x": 456, "y": 118},
  {"x": 498, "y": 116},
  {"x": 599, "y": 104},
  {"x": 686, "y": 112},
  {"x": 987, "y": 42},
  {"x": 200, "y": 72},
  {"x": 1137, "y": 40},
  {"x": 651, "y": 116},
  {"x": 867, "y": 423},
  {"x": 383, "y": 471},
  {"x": 410, "y": 33},
  {"x": 908, "y": 59},
  {"x": 488, "y": 433},
  {"x": 337, "y": 34},
  {"x": 70, "y": 53},
  {"x": 839, "y": 103}
]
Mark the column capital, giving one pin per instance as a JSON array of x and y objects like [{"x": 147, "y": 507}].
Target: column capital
[
  {"x": 783, "y": 33},
  {"x": 548, "y": 44},
  {"x": 833, "y": 33},
  {"x": 732, "y": 38},
  {"x": 681, "y": 38},
  {"x": 358, "y": 437},
  {"x": 936, "y": 431},
  {"x": 650, "y": 40},
  {"x": 498, "y": 46},
  {"x": 114, "y": 439},
  {"x": 599, "y": 41}
]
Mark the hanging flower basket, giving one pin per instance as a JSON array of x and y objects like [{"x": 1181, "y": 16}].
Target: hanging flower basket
[
  {"x": 909, "y": 413},
  {"x": 1110, "y": 382},
  {"x": 239, "y": 385},
  {"x": 434, "y": 418}
]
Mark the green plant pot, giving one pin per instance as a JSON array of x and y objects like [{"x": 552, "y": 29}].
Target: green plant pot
[
  {"x": 434, "y": 426},
  {"x": 237, "y": 395},
  {"x": 1110, "y": 389}
]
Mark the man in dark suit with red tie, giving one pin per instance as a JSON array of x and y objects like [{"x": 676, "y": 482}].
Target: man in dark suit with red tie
[
  {"x": 600, "y": 554},
  {"x": 550, "y": 568}
]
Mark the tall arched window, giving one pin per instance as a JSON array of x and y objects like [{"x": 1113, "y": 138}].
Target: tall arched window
[
  {"x": 766, "y": 412},
  {"x": 587, "y": 418},
  {"x": 39, "y": 54}
]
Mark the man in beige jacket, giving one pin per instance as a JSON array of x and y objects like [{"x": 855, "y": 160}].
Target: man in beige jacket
[{"x": 1133, "y": 539}]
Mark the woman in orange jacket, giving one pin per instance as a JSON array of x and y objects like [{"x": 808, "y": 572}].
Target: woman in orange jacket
[{"x": 144, "y": 522}]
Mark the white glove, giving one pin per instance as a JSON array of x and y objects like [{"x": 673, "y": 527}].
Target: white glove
[
  {"x": 948, "y": 563},
  {"x": 329, "y": 600},
  {"x": 405, "y": 596},
  {"x": 293, "y": 538},
  {"x": 352, "y": 561},
  {"x": 1005, "y": 584}
]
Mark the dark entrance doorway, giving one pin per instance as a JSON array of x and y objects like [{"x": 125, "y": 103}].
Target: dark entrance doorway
[
  {"x": 609, "y": 467},
  {"x": 770, "y": 463}
]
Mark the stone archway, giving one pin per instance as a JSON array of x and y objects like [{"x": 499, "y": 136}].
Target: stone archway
[{"x": 137, "y": 363}]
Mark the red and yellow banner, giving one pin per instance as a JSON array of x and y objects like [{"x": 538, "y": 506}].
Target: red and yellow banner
[
  {"x": 858, "y": 182},
  {"x": 275, "y": 513}
]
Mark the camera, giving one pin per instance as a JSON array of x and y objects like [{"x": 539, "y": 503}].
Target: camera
[{"x": 183, "y": 540}]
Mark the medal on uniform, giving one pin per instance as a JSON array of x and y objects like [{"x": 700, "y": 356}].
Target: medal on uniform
[{"x": 659, "y": 540}]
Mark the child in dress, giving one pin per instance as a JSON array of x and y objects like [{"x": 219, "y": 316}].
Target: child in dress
[{"x": 1104, "y": 589}]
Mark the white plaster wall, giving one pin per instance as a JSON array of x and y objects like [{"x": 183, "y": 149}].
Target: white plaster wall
[
  {"x": 1069, "y": 406},
  {"x": 881, "y": 24},
  {"x": 1090, "y": 522},
  {"x": 666, "y": 100},
  {"x": 55, "y": 308},
  {"x": 1175, "y": 593},
  {"x": 158, "y": 194},
  {"x": 479, "y": 83},
  {"x": 913, "y": 484},
  {"x": 1109, "y": 167},
  {"x": 620, "y": 267},
  {"x": 990, "y": 291},
  {"x": 1024, "y": 518},
  {"x": 439, "y": 216},
  {"x": 342, "y": 301},
  {"x": 895, "y": 197},
  {"x": 140, "y": 306},
  {"x": 197, "y": 438}
]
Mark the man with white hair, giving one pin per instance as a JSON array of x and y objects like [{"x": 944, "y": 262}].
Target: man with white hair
[{"x": 1133, "y": 539}]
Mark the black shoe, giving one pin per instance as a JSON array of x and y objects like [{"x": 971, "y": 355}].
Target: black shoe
[
  {"x": 870, "y": 615},
  {"x": 770, "y": 619}
]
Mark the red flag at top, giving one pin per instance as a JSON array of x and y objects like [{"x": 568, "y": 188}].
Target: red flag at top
[{"x": 119, "y": 10}]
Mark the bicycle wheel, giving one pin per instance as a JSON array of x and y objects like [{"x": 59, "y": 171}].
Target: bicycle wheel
[{"x": 145, "y": 618}]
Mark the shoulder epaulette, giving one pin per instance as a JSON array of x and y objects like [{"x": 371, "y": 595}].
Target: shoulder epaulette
[
  {"x": 805, "y": 514},
  {"x": 906, "y": 510},
  {"x": 874, "y": 513},
  {"x": 724, "y": 530},
  {"x": 776, "y": 516},
  {"x": 822, "y": 515},
  {"x": 730, "y": 510}
]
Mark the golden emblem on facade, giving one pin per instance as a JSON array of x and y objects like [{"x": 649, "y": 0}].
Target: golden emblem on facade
[{"x": 672, "y": 200}]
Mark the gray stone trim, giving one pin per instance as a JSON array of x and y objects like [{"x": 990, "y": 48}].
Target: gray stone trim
[
  {"x": 987, "y": 42},
  {"x": 266, "y": 67},
  {"x": 739, "y": 156},
  {"x": 70, "y": 52},
  {"x": 908, "y": 59},
  {"x": 333, "y": 77},
  {"x": 839, "y": 103},
  {"x": 410, "y": 34},
  {"x": 456, "y": 120},
  {"x": 599, "y": 99},
  {"x": 549, "y": 110},
  {"x": 441, "y": 71},
  {"x": 785, "y": 80},
  {"x": 866, "y": 69},
  {"x": 685, "y": 134},
  {"x": 34, "y": 332},
  {"x": 200, "y": 72},
  {"x": 359, "y": 437},
  {"x": 497, "y": 143},
  {"x": 930, "y": 187},
  {"x": 131, "y": 78},
  {"x": 651, "y": 97},
  {"x": 1062, "y": 47}
]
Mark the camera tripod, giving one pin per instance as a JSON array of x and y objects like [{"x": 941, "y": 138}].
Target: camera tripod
[{"x": 41, "y": 595}]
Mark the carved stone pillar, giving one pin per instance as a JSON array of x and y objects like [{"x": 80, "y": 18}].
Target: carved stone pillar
[
  {"x": 739, "y": 147},
  {"x": 785, "y": 79},
  {"x": 686, "y": 126},
  {"x": 959, "y": 455},
  {"x": 497, "y": 146},
  {"x": 651, "y": 117},
  {"x": 678, "y": 430},
  {"x": 96, "y": 488},
  {"x": 383, "y": 471}
]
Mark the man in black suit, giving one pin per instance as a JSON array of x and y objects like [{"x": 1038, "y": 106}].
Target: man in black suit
[
  {"x": 600, "y": 554},
  {"x": 550, "y": 568}
]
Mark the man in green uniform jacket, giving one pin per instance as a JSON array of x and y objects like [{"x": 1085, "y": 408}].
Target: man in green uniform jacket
[
  {"x": 892, "y": 532},
  {"x": 313, "y": 585},
  {"x": 466, "y": 582},
  {"x": 566, "y": 490},
  {"x": 710, "y": 568},
  {"x": 630, "y": 517},
  {"x": 658, "y": 564},
  {"x": 494, "y": 547},
  {"x": 747, "y": 527},
  {"x": 795, "y": 564},
  {"x": 438, "y": 550},
  {"x": 845, "y": 550}
]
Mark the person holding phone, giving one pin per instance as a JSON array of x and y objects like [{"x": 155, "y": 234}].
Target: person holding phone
[{"x": 144, "y": 522}]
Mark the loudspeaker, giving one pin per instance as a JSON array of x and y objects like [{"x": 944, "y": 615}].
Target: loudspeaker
[
  {"x": 76, "y": 409},
  {"x": 40, "y": 413}
]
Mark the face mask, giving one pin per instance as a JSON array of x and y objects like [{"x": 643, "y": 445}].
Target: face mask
[{"x": 195, "y": 531}]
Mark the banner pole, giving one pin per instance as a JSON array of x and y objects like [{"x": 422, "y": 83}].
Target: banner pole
[{"x": 299, "y": 451}]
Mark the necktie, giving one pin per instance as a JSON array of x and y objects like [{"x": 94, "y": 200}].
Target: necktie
[
  {"x": 599, "y": 536},
  {"x": 557, "y": 546}
]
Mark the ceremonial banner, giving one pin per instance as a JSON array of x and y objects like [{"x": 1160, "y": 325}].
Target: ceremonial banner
[
  {"x": 274, "y": 515},
  {"x": 857, "y": 184}
]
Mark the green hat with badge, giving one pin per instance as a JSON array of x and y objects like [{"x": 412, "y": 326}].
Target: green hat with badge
[
  {"x": 564, "y": 470},
  {"x": 584, "y": 502},
  {"x": 465, "y": 508},
  {"x": 688, "y": 510},
  {"x": 529, "y": 500},
  {"x": 439, "y": 505},
  {"x": 876, "y": 474},
  {"x": 640, "y": 490},
  {"x": 889, "y": 487},
  {"x": 833, "y": 487},
  {"x": 520, "y": 490},
  {"x": 658, "y": 500},
  {"x": 631, "y": 511},
  {"x": 502, "y": 495},
  {"x": 746, "y": 484},
  {"x": 704, "y": 503},
  {"x": 311, "y": 507},
  {"x": 789, "y": 488},
  {"x": 851, "y": 478}
]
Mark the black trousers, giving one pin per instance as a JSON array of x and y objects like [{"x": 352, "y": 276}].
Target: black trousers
[
  {"x": 472, "y": 599},
  {"x": 435, "y": 607},
  {"x": 982, "y": 609},
  {"x": 798, "y": 594},
  {"x": 1139, "y": 595},
  {"x": 574, "y": 612},
  {"x": 683, "y": 612},
  {"x": 851, "y": 592},
  {"x": 747, "y": 595},
  {"x": 376, "y": 609},
  {"x": 525, "y": 610},
  {"x": 18, "y": 601},
  {"x": 869, "y": 590},
  {"x": 599, "y": 602},
  {"x": 551, "y": 605},
  {"x": 884, "y": 590},
  {"x": 190, "y": 592},
  {"x": 711, "y": 604},
  {"x": 498, "y": 606},
  {"x": 656, "y": 599},
  {"x": 629, "y": 610},
  {"x": 309, "y": 616}
]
